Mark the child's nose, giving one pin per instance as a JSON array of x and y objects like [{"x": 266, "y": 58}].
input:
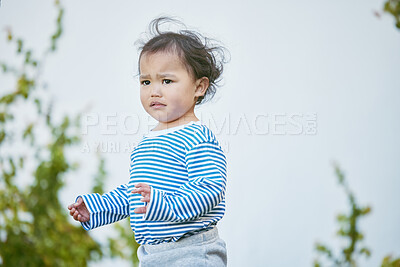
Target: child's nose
[{"x": 156, "y": 90}]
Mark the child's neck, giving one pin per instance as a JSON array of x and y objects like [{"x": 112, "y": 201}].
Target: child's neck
[{"x": 175, "y": 123}]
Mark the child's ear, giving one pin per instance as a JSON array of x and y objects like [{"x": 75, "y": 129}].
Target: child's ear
[{"x": 202, "y": 85}]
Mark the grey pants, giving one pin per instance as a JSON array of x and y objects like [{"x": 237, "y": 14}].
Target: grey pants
[{"x": 203, "y": 249}]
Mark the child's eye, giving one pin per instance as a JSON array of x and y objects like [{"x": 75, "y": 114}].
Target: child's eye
[
  {"x": 167, "y": 81},
  {"x": 145, "y": 82}
]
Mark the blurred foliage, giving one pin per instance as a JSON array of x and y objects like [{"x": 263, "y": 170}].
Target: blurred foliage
[
  {"x": 122, "y": 246},
  {"x": 393, "y": 7},
  {"x": 35, "y": 229},
  {"x": 100, "y": 178},
  {"x": 349, "y": 231},
  {"x": 389, "y": 262}
]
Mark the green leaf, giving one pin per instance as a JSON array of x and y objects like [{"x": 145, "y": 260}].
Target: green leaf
[
  {"x": 365, "y": 251},
  {"x": 366, "y": 210}
]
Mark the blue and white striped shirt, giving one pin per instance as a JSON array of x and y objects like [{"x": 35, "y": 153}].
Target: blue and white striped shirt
[{"x": 186, "y": 169}]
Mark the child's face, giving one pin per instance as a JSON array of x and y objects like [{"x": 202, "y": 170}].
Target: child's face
[{"x": 165, "y": 79}]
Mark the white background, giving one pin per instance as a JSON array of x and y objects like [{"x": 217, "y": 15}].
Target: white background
[{"x": 335, "y": 59}]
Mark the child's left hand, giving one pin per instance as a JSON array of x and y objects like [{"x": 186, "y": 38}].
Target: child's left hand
[{"x": 144, "y": 190}]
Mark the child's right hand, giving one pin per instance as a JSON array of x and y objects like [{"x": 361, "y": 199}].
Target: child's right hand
[{"x": 79, "y": 211}]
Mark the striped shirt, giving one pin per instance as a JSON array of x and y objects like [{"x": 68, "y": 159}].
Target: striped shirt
[{"x": 186, "y": 169}]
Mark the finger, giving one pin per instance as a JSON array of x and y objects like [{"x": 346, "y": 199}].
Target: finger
[
  {"x": 83, "y": 218},
  {"x": 142, "y": 189},
  {"x": 79, "y": 218},
  {"x": 145, "y": 199},
  {"x": 140, "y": 185},
  {"x": 140, "y": 210},
  {"x": 76, "y": 215},
  {"x": 72, "y": 211},
  {"x": 78, "y": 202}
]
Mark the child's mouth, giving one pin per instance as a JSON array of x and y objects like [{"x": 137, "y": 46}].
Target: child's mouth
[{"x": 157, "y": 105}]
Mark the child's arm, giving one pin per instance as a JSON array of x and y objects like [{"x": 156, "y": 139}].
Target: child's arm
[
  {"x": 94, "y": 210},
  {"x": 206, "y": 165}
]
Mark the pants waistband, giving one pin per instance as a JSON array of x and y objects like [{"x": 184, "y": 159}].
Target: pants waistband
[{"x": 202, "y": 237}]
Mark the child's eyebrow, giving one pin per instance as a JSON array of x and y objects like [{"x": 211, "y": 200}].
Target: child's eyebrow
[{"x": 158, "y": 75}]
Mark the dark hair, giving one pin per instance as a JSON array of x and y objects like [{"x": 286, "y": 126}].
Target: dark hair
[{"x": 200, "y": 55}]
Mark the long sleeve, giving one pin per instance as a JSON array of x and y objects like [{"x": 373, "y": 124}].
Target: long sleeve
[
  {"x": 108, "y": 208},
  {"x": 205, "y": 189}
]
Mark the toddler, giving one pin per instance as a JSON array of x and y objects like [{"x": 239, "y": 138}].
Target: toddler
[{"x": 175, "y": 195}]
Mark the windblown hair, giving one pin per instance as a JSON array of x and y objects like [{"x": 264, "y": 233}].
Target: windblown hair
[{"x": 201, "y": 56}]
